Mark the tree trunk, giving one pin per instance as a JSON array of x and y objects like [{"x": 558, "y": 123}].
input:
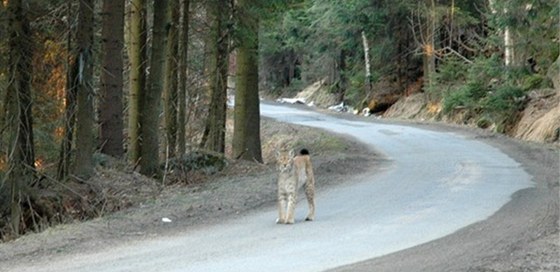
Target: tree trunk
[
  {"x": 508, "y": 38},
  {"x": 170, "y": 92},
  {"x": 85, "y": 144},
  {"x": 149, "y": 163},
  {"x": 21, "y": 154},
  {"x": 342, "y": 80},
  {"x": 182, "y": 96},
  {"x": 246, "y": 134},
  {"x": 429, "y": 44},
  {"x": 65, "y": 157},
  {"x": 138, "y": 61},
  {"x": 214, "y": 133},
  {"x": 110, "y": 104},
  {"x": 367, "y": 83},
  {"x": 509, "y": 56}
]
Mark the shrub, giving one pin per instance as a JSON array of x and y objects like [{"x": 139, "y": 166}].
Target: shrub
[
  {"x": 483, "y": 122},
  {"x": 505, "y": 99},
  {"x": 467, "y": 96},
  {"x": 451, "y": 70},
  {"x": 536, "y": 81}
]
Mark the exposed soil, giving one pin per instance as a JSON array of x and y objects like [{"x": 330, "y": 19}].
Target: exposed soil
[{"x": 538, "y": 122}]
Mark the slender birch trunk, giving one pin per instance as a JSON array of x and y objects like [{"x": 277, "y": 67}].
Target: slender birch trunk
[{"x": 367, "y": 63}]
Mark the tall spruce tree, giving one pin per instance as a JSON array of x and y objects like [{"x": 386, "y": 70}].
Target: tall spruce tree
[
  {"x": 182, "y": 95},
  {"x": 70, "y": 107},
  {"x": 110, "y": 104},
  {"x": 85, "y": 138},
  {"x": 21, "y": 155},
  {"x": 150, "y": 118},
  {"x": 137, "y": 38},
  {"x": 218, "y": 42},
  {"x": 246, "y": 132},
  {"x": 170, "y": 92}
]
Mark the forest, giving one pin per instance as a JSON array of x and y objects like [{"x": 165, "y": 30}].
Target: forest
[{"x": 146, "y": 84}]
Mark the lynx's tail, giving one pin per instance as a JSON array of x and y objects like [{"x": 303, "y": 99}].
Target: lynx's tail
[{"x": 304, "y": 151}]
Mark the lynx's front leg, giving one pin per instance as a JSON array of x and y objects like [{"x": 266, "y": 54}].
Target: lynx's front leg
[
  {"x": 292, "y": 199},
  {"x": 282, "y": 205}
]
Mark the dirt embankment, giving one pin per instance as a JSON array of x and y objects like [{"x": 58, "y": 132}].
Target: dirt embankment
[{"x": 538, "y": 122}]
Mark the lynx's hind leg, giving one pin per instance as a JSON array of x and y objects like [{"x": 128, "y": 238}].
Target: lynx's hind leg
[
  {"x": 310, "y": 194},
  {"x": 310, "y": 191}
]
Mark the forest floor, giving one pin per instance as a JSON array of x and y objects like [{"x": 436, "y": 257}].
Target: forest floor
[{"x": 522, "y": 236}]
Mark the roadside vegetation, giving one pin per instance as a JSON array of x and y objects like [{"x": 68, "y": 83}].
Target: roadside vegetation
[{"x": 470, "y": 62}]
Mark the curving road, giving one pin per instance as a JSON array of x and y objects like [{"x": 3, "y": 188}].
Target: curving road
[{"x": 436, "y": 183}]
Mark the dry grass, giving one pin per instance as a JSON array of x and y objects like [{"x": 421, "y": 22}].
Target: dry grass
[
  {"x": 542, "y": 129},
  {"x": 540, "y": 121}
]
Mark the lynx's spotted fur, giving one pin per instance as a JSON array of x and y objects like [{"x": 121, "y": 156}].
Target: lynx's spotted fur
[{"x": 294, "y": 172}]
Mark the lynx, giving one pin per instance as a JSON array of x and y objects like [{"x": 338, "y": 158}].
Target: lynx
[{"x": 294, "y": 172}]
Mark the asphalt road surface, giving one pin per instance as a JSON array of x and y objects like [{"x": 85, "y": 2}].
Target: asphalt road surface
[{"x": 434, "y": 184}]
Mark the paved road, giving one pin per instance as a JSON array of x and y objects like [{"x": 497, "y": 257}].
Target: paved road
[{"x": 435, "y": 184}]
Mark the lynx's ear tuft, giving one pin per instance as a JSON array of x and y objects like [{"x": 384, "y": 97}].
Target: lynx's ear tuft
[{"x": 304, "y": 151}]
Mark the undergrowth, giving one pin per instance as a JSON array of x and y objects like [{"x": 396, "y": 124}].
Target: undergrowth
[{"x": 487, "y": 91}]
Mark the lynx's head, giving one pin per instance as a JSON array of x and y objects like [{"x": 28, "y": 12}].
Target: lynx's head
[{"x": 284, "y": 160}]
